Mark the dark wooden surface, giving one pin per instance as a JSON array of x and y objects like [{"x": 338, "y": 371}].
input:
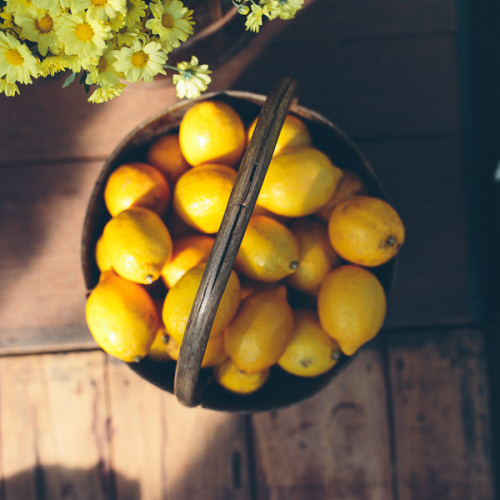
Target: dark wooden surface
[{"x": 413, "y": 417}]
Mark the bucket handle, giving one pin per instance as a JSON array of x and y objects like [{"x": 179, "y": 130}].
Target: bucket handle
[{"x": 227, "y": 242}]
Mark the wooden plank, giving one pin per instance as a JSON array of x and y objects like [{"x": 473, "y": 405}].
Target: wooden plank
[
  {"x": 335, "y": 445},
  {"x": 439, "y": 393},
  {"x": 384, "y": 87},
  {"x": 324, "y": 20},
  {"x": 53, "y": 427},
  {"x": 73, "y": 127},
  {"x": 371, "y": 18},
  {"x": 172, "y": 451},
  {"x": 42, "y": 295}
]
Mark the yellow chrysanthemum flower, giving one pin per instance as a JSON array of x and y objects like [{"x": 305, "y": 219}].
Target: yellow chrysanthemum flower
[
  {"x": 102, "y": 10},
  {"x": 192, "y": 79},
  {"x": 39, "y": 27},
  {"x": 17, "y": 7},
  {"x": 104, "y": 94},
  {"x": 125, "y": 36},
  {"x": 118, "y": 22},
  {"x": 172, "y": 23},
  {"x": 253, "y": 21},
  {"x": 136, "y": 10},
  {"x": 53, "y": 64},
  {"x": 75, "y": 63},
  {"x": 17, "y": 63},
  {"x": 82, "y": 36},
  {"x": 143, "y": 61},
  {"x": 65, "y": 4},
  {"x": 7, "y": 21},
  {"x": 111, "y": 40},
  {"x": 103, "y": 73},
  {"x": 50, "y": 5},
  {"x": 284, "y": 9},
  {"x": 9, "y": 89}
]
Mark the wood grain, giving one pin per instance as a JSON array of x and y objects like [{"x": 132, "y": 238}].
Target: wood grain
[
  {"x": 440, "y": 402},
  {"x": 53, "y": 427},
  {"x": 72, "y": 127},
  {"x": 42, "y": 294},
  {"x": 372, "y": 18}
]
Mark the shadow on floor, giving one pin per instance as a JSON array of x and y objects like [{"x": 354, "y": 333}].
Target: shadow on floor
[{"x": 61, "y": 483}]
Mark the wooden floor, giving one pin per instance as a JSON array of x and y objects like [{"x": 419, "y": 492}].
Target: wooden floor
[{"x": 409, "y": 419}]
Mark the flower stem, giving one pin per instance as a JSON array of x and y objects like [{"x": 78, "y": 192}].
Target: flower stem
[{"x": 167, "y": 66}]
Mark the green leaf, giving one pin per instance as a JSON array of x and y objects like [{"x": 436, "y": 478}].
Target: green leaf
[{"x": 69, "y": 80}]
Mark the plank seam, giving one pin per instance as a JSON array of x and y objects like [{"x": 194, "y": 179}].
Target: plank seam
[
  {"x": 250, "y": 447},
  {"x": 437, "y": 328},
  {"x": 398, "y": 35},
  {"x": 390, "y": 421},
  {"x": 109, "y": 431}
]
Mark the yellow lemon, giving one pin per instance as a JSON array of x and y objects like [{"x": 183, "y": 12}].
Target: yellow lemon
[
  {"x": 310, "y": 351},
  {"x": 294, "y": 133},
  {"x": 121, "y": 317},
  {"x": 268, "y": 252},
  {"x": 201, "y": 196},
  {"x": 366, "y": 230},
  {"x": 257, "y": 336},
  {"x": 212, "y": 132},
  {"x": 351, "y": 306},
  {"x": 136, "y": 185},
  {"x": 165, "y": 154},
  {"x": 231, "y": 378},
  {"x": 189, "y": 251},
  {"x": 350, "y": 184},
  {"x": 214, "y": 352},
  {"x": 316, "y": 255},
  {"x": 179, "y": 302},
  {"x": 299, "y": 181},
  {"x": 138, "y": 244},
  {"x": 101, "y": 256}
]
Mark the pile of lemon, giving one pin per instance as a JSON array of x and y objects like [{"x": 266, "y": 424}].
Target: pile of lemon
[{"x": 314, "y": 231}]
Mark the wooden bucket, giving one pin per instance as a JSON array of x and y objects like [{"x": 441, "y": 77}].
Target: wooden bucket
[{"x": 184, "y": 378}]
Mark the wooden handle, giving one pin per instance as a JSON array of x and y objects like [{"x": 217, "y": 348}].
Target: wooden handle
[{"x": 220, "y": 263}]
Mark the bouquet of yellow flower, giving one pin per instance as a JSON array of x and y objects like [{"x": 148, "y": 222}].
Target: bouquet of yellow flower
[{"x": 110, "y": 42}]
